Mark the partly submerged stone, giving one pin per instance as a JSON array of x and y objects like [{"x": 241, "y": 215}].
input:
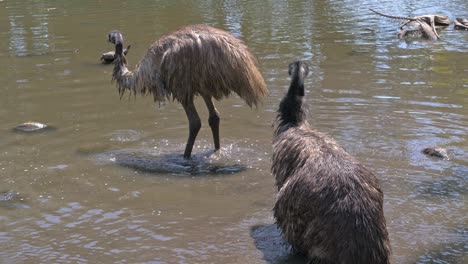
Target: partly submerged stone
[
  {"x": 436, "y": 152},
  {"x": 11, "y": 200},
  {"x": 31, "y": 127}
]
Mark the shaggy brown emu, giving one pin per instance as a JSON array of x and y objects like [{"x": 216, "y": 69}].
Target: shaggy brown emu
[
  {"x": 329, "y": 206},
  {"x": 195, "y": 60}
]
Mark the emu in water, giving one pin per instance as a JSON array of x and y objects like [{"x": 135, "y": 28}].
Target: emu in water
[
  {"x": 329, "y": 206},
  {"x": 196, "y": 60}
]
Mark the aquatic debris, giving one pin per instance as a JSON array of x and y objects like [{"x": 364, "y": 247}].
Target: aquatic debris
[
  {"x": 436, "y": 152},
  {"x": 30, "y": 126},
  {"x": 420, "y": 26},
  {"x": 461, "y": 23}
]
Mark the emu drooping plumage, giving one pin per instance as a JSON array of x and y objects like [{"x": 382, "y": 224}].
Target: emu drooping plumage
[
  {"x": 329, "y": 206},
  {"x": 196, "y": 60}
]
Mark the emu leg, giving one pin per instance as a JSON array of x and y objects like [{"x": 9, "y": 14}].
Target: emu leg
[
  {"x": 213, "y": 120},
  {"x": 194, "y": 126}
]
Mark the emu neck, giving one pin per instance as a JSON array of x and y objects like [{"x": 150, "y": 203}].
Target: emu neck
[
  {"x": 120, "y": 66},
  {"x": 297, "y": 84},
  {"x": 118, "y": 49},
  {"x": 291, "y": 111},
  {"x": 125, "y": 79}
]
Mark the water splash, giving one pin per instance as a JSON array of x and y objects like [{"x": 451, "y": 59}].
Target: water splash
[{"x": 168, "y": 158}]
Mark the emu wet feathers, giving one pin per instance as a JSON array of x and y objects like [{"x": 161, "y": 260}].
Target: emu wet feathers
[
  {"x": 329, "y": 206},
  {"x": 196, "y": 60}
]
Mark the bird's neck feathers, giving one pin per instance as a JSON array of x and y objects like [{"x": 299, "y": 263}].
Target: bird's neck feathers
[
  {"x": 118, "y": 49},
  {"x": 124, "y": 78},
  {"x": 292, "y": 111},
  {"x": 296, "y": 88}
]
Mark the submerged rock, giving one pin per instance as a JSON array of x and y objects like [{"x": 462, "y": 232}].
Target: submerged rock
[
  {"x": 31, "y": 127},
  {"x": 11, "y": 200},
  {"x": 436, "y": 152}
]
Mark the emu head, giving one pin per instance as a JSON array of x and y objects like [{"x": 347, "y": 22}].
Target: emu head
[
  {"x": 115, "y": 37},
  {"x": 298, "y": 66}
]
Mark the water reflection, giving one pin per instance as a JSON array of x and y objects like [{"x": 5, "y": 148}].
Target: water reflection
[
  {"x": 29, "y": 31},
  {"x": 233, "y": 16}
]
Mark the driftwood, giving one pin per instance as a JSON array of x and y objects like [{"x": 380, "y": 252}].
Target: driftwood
[
  {"x": 461, "y": 23},
  {"x": 424, "y": 26}
]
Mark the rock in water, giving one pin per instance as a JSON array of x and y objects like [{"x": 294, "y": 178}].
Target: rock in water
[
  {"x": 12, "y": 200},
  {"x": 30, "y": 127},
  {"x": 436, "y": 152}
]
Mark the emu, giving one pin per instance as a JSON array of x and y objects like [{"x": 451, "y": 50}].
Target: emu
[
  {"x": 196, "y": 60},
  {"x": 329, "y": 206}
]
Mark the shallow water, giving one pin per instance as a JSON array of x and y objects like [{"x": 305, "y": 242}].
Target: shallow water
[{"x": 108, "y": 184}]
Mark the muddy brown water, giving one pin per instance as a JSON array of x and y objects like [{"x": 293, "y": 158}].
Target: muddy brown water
[{"x": 107, "y": 185}]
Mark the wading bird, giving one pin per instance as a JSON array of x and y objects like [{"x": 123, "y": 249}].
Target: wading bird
[
  {"x": 196, "y": 60},
  {"x": 329, "y": 206}
]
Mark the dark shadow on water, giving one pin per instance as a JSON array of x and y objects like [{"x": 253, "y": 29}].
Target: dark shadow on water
[
  {"x": 199, "y": 164},
  {"x": 268, "y": 239}
]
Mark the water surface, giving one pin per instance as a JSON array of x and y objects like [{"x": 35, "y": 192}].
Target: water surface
[{"x": 108, "y": 184}]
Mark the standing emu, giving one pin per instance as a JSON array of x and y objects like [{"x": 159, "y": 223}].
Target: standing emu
[
  {"x": 195, "y": 60},
  {"x": 329, "y": 206}
]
